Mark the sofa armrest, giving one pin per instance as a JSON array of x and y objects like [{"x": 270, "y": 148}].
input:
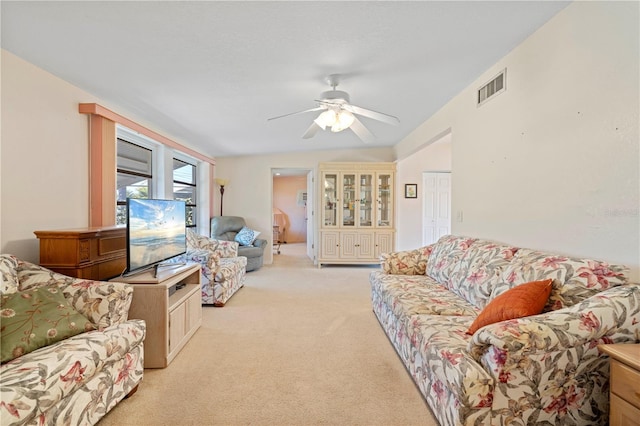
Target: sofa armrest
[
  {"x": 550, "y": 363},
  {"x": 612, "y": 315},
  {"x": 544, "y": 347},
  {"x": 209, "y": 261},
  {"x": 103, "y": 303},
  {"x": 408, "y": 262},
  {"x": 260, "y": 243}
]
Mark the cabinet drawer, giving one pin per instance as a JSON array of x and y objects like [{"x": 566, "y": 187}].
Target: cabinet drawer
[
  {"x": 622, "y": 413},
  {"x": 625, "y": 382}
]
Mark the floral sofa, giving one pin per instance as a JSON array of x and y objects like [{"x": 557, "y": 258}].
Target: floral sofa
[
  {"x": 223, "y": 271},
  {"x": 541, "y": 369},
  {"x": 78, "y": 379}
]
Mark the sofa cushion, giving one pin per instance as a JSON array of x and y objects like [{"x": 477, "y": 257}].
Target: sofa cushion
[
  {"x": 8, "y": 274},
  {"x": 246, "y": 236},
  {"x": 480, "y": 271},
  {"x": 36, "y": 318},
  {"x": 521, "y": 301},
  {"x": 574, "y": 279},
  {"x": 445, "y": 257},
  {"x": 419, "y": 294}
]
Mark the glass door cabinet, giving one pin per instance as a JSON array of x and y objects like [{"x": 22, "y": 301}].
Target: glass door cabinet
[
  {"x": 330, "y": 200},
  {"x": 356, "y": 221}
]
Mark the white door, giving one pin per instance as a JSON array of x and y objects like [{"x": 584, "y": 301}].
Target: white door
[
  {"x": 309, "y": 215},
  {"x": 436, "y": 206}
]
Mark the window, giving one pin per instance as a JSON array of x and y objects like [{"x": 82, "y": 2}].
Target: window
[
  {"x": 184, "y": 188},
  {"x": 134, "y": 176}
]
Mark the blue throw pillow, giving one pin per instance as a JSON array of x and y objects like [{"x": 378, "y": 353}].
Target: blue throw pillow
[{"x": 246, "y": 236}]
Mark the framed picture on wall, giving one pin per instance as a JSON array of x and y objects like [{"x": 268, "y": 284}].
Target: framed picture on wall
[{"x": 410, "y": 190}]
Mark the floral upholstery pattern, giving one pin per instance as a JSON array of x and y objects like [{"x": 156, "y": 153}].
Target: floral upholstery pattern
[
  {"x": 79, "y": 379},
  {"x": 558, "y": 352},
  {"x": 445, "y": 257},
  {"x": 574, "y": 279},
  {"x": 220, "y": 248},
  {"x": 480, "y": 270},
  {"x": 223, "y": 271},
  {"x": 104, "y": 303},
  {"x": 228, "y": 279},
  {"x": 410, "y": 262},
  {"x": 543, "y": 368},
  {"x": 8, "y": 266},
  {"x": 418, "y": 295}
]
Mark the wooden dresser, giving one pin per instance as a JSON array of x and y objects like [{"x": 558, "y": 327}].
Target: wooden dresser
[
  {"x": 90, "y": 253},
  {"x": 625, "y": 383}
]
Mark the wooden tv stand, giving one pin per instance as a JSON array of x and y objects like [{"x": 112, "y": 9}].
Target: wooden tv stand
[{"x": 171, "y": 319}]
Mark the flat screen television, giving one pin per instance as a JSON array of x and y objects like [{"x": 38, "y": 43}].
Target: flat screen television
[{"x": 156, "y": 232}]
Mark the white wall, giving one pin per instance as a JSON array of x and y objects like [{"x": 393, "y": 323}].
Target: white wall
[
  {"x": 249, "y": 192},
  {"x": 552, "y": 163},
  {"x": 434, "y": 157},
  {"x": 45, "y": 157}
]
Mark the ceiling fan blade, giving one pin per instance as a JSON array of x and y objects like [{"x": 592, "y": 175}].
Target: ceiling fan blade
[
  {"x": 361, "y": 131},
  {"x": 299, "y": 112},
  {"x": 311, "y": 131},
  {"x": 380, "y": 116}
]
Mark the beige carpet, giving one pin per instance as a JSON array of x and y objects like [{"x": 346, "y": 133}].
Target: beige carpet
[{"x": 297, "y": 345}]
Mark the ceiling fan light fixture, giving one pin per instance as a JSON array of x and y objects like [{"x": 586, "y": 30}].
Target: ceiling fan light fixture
[
  {"x": 326, "y": 119},
  {"x": 344, "y": 121}
]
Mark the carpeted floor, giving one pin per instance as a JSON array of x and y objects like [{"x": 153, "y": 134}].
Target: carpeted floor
[{"x": 297, "y": 345}]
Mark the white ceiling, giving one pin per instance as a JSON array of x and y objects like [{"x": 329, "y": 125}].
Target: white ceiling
[{"x": 209, "y": 74}]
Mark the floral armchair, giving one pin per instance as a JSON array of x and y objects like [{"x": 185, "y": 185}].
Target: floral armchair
[
  {"x": 62, "y": 370},
  {"x": 223, "y": 271}
]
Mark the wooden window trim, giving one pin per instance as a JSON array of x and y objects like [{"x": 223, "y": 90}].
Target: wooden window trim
[{"x": 102, "y": 160}]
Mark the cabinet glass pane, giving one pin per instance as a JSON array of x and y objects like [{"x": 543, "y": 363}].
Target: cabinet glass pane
[
  {"x": 330, "y": 200},
  {"x": 366, "y": 200},
  {"x": 385, "y": 202},
  {"x": 349, "y": 199}
]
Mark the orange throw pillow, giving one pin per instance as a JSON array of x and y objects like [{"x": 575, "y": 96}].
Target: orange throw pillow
[{"x": 520, "y": 301}]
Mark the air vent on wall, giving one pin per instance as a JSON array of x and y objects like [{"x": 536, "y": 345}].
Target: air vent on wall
[{"x": 496, "y": 86}]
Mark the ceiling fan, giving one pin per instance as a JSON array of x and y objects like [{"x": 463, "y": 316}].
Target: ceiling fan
[{"x": 338, "y": 114}]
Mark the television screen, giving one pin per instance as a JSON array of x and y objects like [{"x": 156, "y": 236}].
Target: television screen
[{"x": 156, "y": 232}]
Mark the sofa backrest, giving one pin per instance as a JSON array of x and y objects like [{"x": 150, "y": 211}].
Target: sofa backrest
[
  {"x": 480, "y": 270},
  {"x": 445, "y": 257},
  {"x": 574, "y": 279}
]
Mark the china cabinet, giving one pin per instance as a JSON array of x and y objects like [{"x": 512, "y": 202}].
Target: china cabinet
[{"x": 356, "y": 212}]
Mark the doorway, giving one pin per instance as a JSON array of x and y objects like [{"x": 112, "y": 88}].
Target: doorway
[
  {"x": 436, "y": 206},
  {"x": 292, "y": 196}
]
